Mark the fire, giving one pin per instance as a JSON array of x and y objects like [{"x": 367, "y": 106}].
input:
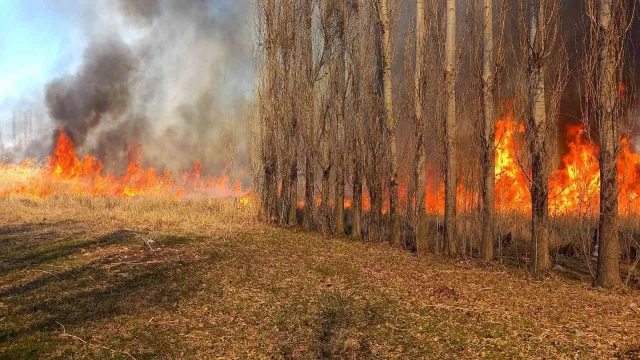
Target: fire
[
  {"x": 512, "y": 193},
  {"x": 574, "y": 189},
  {"x": 66, "y": 173}
]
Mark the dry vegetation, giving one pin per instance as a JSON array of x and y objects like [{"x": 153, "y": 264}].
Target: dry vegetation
[{"x": 150, "y": 278}]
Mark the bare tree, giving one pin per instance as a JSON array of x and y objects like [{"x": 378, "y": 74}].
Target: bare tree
[
  {"x": 295, "y": 86},
  {"x": 375, "y": 128},
  {"x": 357, "y": 129},
  {"x": 488, "y": 134},
  {"x": 540, "y": 261},
  {"x": 419, "y": 84},
  {"x": 450, "y": 131},
  {"x": 287, "y": 115},
  {"x": 267, "y": 21},
  {"x": 309, "y": 131},
  {"x": 390, "y": 121},
  {"x": 340, "y": 89},
  {"x": 609, "y": 25},
  {"x": 547, "y": 60}
]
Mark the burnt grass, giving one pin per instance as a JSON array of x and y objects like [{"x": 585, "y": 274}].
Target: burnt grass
[{"x": 95, "y": 283}]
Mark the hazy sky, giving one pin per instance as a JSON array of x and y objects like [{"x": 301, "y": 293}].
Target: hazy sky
[{"x": 41, "y": 40}]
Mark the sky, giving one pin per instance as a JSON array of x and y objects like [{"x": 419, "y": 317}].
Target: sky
[
  {"x": 42, "y": 40},
  {"x": 39, "y": 41}
]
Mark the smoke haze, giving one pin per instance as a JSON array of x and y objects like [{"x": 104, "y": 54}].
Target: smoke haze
[{"x": 172, "y": 75}]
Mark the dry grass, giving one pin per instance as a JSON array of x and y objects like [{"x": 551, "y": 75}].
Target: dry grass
[
  {"x": 15, "y": 175},
  {"x": 152, "y": 278}
]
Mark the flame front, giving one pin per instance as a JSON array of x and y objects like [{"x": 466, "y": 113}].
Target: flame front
[
  {"x": 574, "y": 189},
  {"x": 65, "y": 173}
]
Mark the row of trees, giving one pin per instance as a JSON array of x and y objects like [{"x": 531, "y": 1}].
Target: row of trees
[
  {"x": 330, "y": 96},
  {"x": 26, "y": 126}
]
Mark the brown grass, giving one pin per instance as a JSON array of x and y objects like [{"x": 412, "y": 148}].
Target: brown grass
[{"x": 154, "y": 278}]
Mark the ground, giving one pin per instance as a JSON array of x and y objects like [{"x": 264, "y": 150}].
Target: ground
[{"x": 142, "y": 279}]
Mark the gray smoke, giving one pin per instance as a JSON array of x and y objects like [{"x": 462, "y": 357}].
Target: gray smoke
[{"x": 172, "y": 75}]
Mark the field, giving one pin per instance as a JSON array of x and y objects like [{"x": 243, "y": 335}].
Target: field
[{"x": 153, "y": 278}]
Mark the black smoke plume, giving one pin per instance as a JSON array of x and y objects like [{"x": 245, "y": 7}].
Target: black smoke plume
[{"x": 99, "y": 91}]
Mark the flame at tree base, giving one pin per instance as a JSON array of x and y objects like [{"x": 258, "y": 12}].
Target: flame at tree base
[{"x": 574, "y": 189}]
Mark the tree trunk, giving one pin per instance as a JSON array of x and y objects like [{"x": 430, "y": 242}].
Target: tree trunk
[
  {"x": 420, "y": 183},
  {"x": 488, "y": 146},
  {"x": 283, "y": 211},
  {"x": 309, "y": 204},
  {"x": 341, "y": 93},
  {"x": 295, "y": 126},
  {"x": 540, "y": 262},
  {"x": 358, "y": 136},
  {"x": 293, "y": 176},
  {"x": 326, "y": 134},
  {"x": 326, "y": 174},
  {"x": 270, "y": 197},
  {"x": 450, "y": 132},
  {"x": 394, "y": 206},
  {"x": 310, "y": 168},
  {"x": 376, "y": 139},
  {"x": 608, "y": 272},
  {"x": 356, "y": 207}
]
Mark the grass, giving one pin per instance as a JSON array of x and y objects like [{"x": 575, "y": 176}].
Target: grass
[{"x": 152, "y": 278}]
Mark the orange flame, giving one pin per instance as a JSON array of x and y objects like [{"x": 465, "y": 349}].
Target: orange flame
[
  {"x": 66, "y": 173},
  {"x": 573, "y": 189}
]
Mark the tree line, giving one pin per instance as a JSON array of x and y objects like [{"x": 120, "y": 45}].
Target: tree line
[{"x": 330, "y": 97}]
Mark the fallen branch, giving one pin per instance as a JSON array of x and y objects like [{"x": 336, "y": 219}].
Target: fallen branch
[{"x": 147, "y": 242}]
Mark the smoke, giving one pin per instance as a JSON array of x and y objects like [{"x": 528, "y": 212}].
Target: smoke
[
  {"x": 172, "y": 75},
  {"x": 100, "y": 90}
]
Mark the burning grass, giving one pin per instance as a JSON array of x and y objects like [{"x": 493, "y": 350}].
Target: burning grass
[
  {"x": 200, "y": 278},
  {"x": 66, "y": 173}
]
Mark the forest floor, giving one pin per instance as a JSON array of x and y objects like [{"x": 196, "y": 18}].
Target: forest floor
[{"x": 144, "y": 279}]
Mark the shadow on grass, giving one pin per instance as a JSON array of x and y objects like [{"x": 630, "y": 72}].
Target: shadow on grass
[
  {"x": 85, "y": 294},
  {"x": 27, "y": 244},
  {"x": 78, "y": 293},
  {"x": 343, "y": 324}
]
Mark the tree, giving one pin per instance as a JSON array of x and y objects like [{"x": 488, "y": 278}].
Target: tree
[
  {"x": 450, "y": 131},
  {"x": 287, "y": 116},
  {"x": 608, "y": 272},
  {"x": 394, "y": 206},
  {"x": 488, "y": 122},
  {"x": 269, "y": 157},
  {"x": 357, "y": 129},
  {"x": 374, "y": 125},
  {"x": 613, "y": 21},
  {"x": 295, "y": 87},
  {"x": 546, "y": 59},
  {"x": 540, "y": 261},
  {"x": 420, "y": 123},
  {"x": 339, "y": 101},
  {"x": 309, "y": 133}
]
